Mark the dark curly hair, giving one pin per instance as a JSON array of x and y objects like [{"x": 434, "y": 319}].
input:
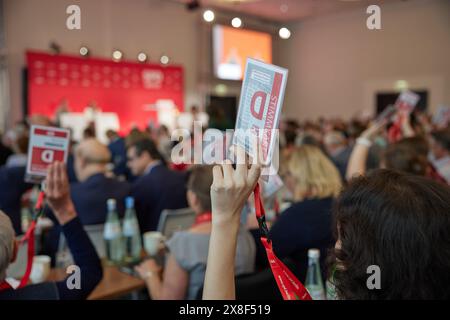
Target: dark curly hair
[{"x": 401, "y": 223}]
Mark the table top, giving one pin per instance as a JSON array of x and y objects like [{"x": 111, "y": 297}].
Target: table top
[{"x": 114, "y": 284}]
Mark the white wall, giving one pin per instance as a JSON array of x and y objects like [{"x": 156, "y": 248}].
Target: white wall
[{"x": 336, "y": 64}]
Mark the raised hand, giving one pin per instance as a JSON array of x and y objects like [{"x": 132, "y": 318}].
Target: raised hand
[{"x": 57, "y": 193}]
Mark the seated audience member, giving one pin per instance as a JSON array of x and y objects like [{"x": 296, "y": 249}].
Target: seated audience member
[
  {"x": 71, "y": 168},
  {"x": 84, "y": 254},
  {"x": 407, "y": 155},
  {"x": 336, "y": 146},
  {"x": 164, "y": 142},
  {"x": 314, "y": 182},
  {"x": 440, "y": 152},
  {"x": 94, "y": 189},
  {"x": 20, "y": 148},
  {"x": 184, "y": 273},
  {"x": 157, "y": 187},
  {"x": 388, "y": 219},
  {"x": 14, "y": 187},
  {"x": 118, "y": 153}
]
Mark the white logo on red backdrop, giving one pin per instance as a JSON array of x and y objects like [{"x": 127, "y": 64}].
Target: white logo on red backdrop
[{"x": 152, "y": 79}]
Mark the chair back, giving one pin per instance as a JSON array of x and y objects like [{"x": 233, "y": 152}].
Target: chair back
[{"x": 175, "y": 220}]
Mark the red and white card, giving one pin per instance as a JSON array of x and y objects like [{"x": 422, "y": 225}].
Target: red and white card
[{"x": 47, "y": 145}]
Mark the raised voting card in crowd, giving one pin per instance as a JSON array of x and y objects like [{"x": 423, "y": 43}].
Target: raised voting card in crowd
[
  {"x": 47, "y": 145},
  {"x": 259, "y": 110},
  {"x": 407, "y": 101}
]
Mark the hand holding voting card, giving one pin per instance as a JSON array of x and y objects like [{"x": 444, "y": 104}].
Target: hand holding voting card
[
  {"x": 259, "y": 109},
  {"x": 47, "y": 145},
  {"x": 407, "y": 101},
  {"x": 441, "y": 118}
]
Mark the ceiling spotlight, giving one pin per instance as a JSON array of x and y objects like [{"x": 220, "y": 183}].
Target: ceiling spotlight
[
  {"x": 142, "y": 57},
  {"x": 284, "y": 33},
  {"x": 236, "y": 22},
  {"x": 84, "y": 51},
  {"x": 284, "y": 8},
  {"x": 208, "y": 16},
  {"x": 164, "y": 59},
  {"x": 117, "y": 55}
]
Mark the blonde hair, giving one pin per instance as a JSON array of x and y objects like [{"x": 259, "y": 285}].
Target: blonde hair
[{"x": 315, "y": 175}]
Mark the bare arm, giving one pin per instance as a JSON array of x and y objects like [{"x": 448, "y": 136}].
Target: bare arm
[
  {"x": 357, "y": 162},
  {"x": 229, "y": 191},
  {"x": 358, "y": 159}
]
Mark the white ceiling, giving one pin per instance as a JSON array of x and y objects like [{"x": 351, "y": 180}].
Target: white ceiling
[{"x": 286, "y": 10}]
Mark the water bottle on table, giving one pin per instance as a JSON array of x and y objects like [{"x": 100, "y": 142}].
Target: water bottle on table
[
  {"x": 113, "y": 235},
  {"x": 314, "y": 283},
  {"x": 131, "y": 233}
]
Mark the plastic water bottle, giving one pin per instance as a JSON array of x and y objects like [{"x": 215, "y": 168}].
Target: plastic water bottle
[
  {"x": 113, "y": 235},
  {"x": 314, "y": 283},
  {"x": 131, "y": 233}
]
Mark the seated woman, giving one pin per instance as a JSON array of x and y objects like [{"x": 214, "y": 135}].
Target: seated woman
[
  {"x": 387, "y": 219},
  {"x": 83, "y": 252},
  {"x": 188, "y": 250},
  {"x": 314, "y": 182}
]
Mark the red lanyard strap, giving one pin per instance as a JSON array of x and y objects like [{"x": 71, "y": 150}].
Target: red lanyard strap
[
  {"x": 290, "y": 287},
  {"x": 29, "y": 236}
]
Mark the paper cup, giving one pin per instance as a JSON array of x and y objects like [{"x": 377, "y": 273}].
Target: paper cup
[{"x": 152, "y": 242}]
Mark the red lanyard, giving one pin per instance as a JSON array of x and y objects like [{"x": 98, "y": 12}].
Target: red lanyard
[
  {"x": 290, "y": 287},
  {"x": 5, "y": 285},
  {"x": 29, "y": 236},
  {"x": 202, "y": 218}
]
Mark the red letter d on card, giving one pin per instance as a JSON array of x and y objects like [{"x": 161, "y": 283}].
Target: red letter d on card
[{"x": 259, "y": 94}]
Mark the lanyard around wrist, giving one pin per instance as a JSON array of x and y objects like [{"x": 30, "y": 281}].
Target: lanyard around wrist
[
  {"x": 290, "y": 287},
  {"x": 29, "y": 236}
]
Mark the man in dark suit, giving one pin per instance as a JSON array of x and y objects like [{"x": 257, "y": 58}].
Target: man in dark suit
[
  {"x": 157, "y": 187},
  {"x": 118, "y": 153},
  {"x": 11, "y": 192},
  {"x": 95, "y": 188}
]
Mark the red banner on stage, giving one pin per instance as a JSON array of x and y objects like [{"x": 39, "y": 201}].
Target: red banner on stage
[{"x": 129, "y": 89}]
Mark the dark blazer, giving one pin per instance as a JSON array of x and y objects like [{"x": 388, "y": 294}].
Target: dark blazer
[
  {"x": 89, "y": 197},
  {"x": 155, "y": 191},
  {"x": 119, "y": 157},
  {"x": 304, "y": 225},
  {"x": 12, "y": 187}
]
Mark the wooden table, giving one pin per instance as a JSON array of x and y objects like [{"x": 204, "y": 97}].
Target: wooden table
[{"x": 113, "y": 285}]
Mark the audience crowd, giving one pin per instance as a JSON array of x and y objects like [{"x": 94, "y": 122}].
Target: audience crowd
[{"x": 349, "y": 189}]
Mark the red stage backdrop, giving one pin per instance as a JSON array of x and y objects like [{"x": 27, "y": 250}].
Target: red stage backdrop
[{"x": 128, "y": 89}]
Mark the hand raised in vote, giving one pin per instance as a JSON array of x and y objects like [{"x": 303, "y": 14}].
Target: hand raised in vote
[{"x": 57, "y": 193}]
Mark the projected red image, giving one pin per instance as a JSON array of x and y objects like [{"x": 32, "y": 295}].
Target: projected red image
[{"x": 233, "y": 46}]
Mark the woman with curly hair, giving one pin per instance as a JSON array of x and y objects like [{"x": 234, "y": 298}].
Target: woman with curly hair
[{"x": 396, "y": 221}]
